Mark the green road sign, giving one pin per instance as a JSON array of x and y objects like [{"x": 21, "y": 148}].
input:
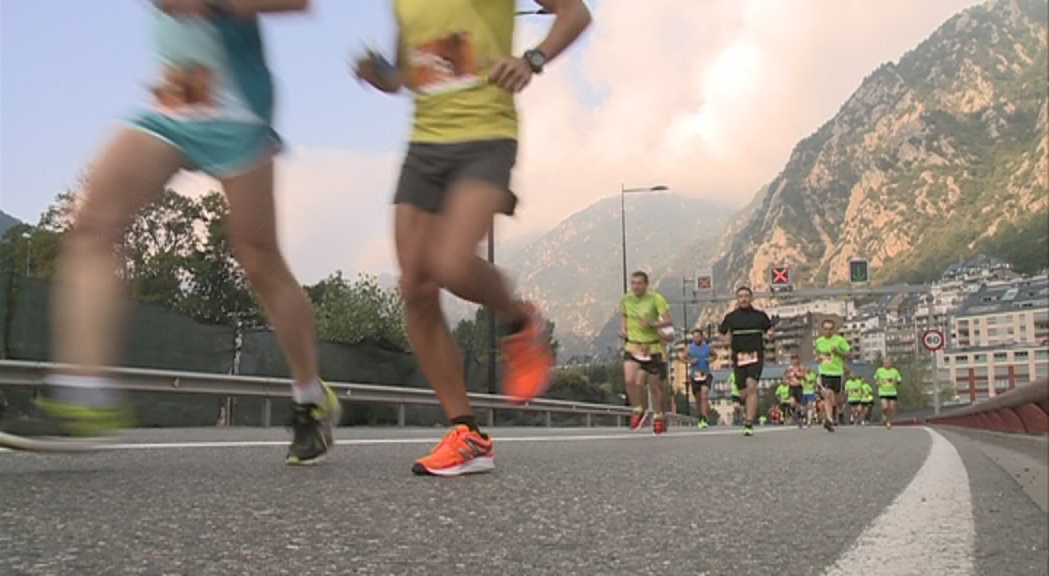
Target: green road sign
[{"x": 859, "y": 272}]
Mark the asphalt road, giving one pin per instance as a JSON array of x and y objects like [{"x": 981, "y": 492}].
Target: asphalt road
[{"x": 562, "y": 501}]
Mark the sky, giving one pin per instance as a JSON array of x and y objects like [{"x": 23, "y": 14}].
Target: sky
[{"x": 707, "y": 97}]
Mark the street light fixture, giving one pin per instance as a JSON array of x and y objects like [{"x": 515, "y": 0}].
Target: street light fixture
[{"x": 623, "y": 191}]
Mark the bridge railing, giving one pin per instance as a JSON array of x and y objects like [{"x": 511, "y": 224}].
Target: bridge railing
[
  {"x": 1022, "y": 410},
  {"x": 20, "y": 373}
]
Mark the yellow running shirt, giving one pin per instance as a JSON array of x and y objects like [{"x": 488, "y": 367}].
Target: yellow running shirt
[{"x": 446, "y": 50}]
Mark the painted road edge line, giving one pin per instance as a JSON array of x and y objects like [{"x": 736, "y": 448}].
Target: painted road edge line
[{"x": 928, "y": 529}]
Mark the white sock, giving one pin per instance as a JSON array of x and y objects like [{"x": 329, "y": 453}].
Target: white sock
[
  {"x": 79, "y": 389},
  {"x": 311, "y": 393}
]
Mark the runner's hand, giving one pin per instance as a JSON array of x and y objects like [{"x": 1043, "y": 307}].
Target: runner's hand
[
  {"x": 511, "y": 74},
  {"x": 375, "y": 70}
]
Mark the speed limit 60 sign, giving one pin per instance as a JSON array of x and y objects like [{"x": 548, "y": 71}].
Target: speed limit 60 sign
[{"x": 932, "y": 340}]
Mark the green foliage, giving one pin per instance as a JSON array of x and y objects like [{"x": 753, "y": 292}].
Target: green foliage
[
  {"x": 471, "y": 335},
  {"x": 1022, "y": 244},
  {"x": 573, "y": 384},
  {"x": 358, "y": 311},
  {"x": 219, "y": 291},
  {"x": 915, "y": 371}
]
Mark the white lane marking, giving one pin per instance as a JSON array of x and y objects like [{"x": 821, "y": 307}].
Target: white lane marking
[
  {"x": 427, "y": 440},
  {"x": 928, "y": 529}
]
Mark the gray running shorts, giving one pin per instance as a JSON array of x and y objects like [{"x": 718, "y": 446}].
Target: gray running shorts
[{"x": 430, "y": 169}]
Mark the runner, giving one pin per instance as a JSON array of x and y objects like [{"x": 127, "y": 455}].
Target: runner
[
  {"x": 699, "y": 353},
  {"x": 887, "y": 378},
  {"x": 456, "y": 58},
  {"x": 831, "y": 348},
  {"x": 809, "y": 383},
  {"x": 645, "y": 316},
  {"x": 783, "y": 396},
  {"x": 212, "y": 112},
  {"x": 795, "y": 376},
  {"x": 854, "y": 392},
  {"x": 745, "y": 329},
  {"x": 867, "y": 402},
  {"x": 737, "y": 400}
]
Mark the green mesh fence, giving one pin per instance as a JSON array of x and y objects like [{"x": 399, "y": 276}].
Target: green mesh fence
[
  {"x": 162, "y": 339},
  {"x": 5, "y": 294}
]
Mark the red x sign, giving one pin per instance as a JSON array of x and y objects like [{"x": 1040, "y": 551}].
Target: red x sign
[
  {"x": 780, "y": 276},
  {"x": 703, "y": 283}
]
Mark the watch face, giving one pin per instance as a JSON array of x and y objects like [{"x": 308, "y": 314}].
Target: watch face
[{"x": 536, "y": 59}]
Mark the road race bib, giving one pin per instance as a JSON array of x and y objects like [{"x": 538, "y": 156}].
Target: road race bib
[
  {"x": 185, "y": 87},
  {"x": 746, "y": 358},
  {"x": 666, "y": 333},
  {"x": 826, "y": 358},
  {"x": 443, "y": 65},
  {"x": 699, "y": 377}
]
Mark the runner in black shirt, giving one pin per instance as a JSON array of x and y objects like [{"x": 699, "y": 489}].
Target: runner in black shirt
[{"x": 745, "y": 328}]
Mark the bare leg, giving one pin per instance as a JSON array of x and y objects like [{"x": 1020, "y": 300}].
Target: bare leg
[
  {"x": 253, "y": 233},
  {"x": 435, "y": 350},
  {"x": 752, "y": 400},
  {"x": 454, "y": 263},
  {"x": 88, "y": 314},
  {"x": 635, "y": 391}
]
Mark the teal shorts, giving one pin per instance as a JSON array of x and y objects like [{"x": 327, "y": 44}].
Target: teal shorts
[{"x": 218, "y": 148}]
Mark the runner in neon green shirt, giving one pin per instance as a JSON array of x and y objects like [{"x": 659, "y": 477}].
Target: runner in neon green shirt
[
  {"x": 867, "y": 402},
  {"x": 643, "y": 323},
  {"x": 854, "y": 392},
  {"x": 831, "y": 349},
  {"x": 808, "y": 395},
  {"x": 887, "y": 378},
  {"x": 783, "y": 394}
]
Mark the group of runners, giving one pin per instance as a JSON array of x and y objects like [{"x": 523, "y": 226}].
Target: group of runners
[
  {"x": 804, "y": 396},
  {"x": 212, "y": 110}
]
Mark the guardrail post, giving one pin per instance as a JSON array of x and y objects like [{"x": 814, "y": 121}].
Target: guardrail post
[
  {"x": 619, "y": 421},
  {"x": 549, "y": 418},
  {"x": 267, "y": 412},
  {"x": 491, "y": 417},
  {"x": 589, "y": 422},
  {"x": 401, "y": 415}
]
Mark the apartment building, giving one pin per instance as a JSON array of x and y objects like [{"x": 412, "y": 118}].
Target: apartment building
[{"x": 1002, "y": 338}]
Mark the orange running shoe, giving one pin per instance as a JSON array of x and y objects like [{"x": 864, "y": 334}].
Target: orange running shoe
[
  {"x": 461, "y": 451},
  {"x": 528, "y": 359}
]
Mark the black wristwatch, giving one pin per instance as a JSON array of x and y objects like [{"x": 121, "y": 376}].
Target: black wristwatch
[{"x": 535, "y": 59}]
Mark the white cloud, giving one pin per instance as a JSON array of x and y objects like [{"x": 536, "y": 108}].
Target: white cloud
[
  {"x": 333, "y": 210},
  {"x": 706, "y": 97}
]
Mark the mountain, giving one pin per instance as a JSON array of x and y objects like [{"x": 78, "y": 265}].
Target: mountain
[
  {"x": 7, "y": 221},
  {"x": 931, "y": 159},
  {"x": 575, "y": 271}
]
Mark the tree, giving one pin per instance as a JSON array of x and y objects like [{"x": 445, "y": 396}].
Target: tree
[
  {"x": 471, "y": 335},
  {"x": 156, "y": 247},
  {"x": 218, "y": 291},
  {"x": 915, "y": 370},
  {"x": 359, "y": 312},
  {"x": 572, "y": 384}
]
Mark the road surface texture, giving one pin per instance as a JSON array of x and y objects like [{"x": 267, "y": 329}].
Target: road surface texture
[{"x": 562, "y": 501}]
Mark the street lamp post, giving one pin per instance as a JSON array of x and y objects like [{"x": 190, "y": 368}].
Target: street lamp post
[
  {"x": 623, "y": 191},
  {"x": 28, "y": 250}
]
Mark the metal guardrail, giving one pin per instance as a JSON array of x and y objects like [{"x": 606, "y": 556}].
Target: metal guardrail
[
  {"x": 1023, "y": 410},
  {"x": 21, "y": 373}
]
